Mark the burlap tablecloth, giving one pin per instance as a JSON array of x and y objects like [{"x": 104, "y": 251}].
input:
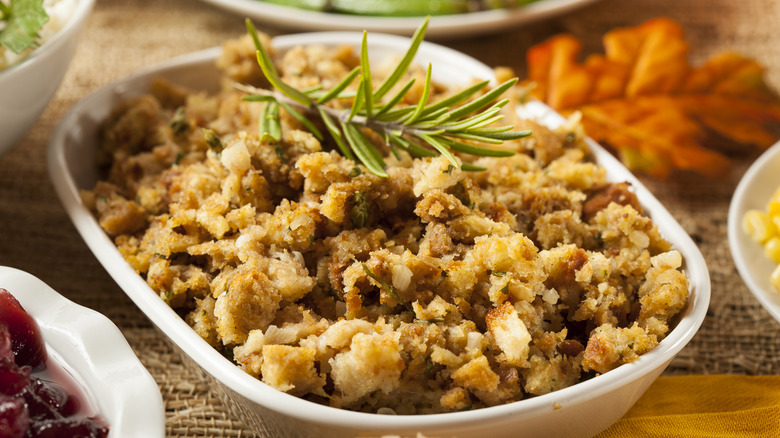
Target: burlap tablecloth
[{"x": 738, "y": 336}]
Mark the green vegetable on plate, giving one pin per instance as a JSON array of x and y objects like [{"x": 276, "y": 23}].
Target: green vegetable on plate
[{"x": 398, "y": 8}]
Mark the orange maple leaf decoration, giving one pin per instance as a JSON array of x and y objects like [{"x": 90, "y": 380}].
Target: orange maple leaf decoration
[{"x": 644, "y": 100}]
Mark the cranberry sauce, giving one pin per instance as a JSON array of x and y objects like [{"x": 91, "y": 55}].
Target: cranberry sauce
[
  {"x": 31, "y": 406},
  {"x": 26, "y": 340}
]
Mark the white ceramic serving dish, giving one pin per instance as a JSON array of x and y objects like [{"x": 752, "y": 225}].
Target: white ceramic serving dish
[
  {"x": 92, "y": 350},
  {"x": 27, "y": 86},
  {"x": 579, "y": 411},
  {"x": 752, "y": 193},
  {"x": 441, "y": 26}
]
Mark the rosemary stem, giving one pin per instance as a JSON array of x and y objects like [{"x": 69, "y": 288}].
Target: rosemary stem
[{"x": 338, "y": 114}]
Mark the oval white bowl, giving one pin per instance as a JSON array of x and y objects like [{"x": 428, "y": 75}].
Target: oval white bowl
[
  {"x": 93, "y": 351},
  {"x": 28, "y": 86},
  {"x": 578, "y": 411},
  {"x": 753, "y": 192}
]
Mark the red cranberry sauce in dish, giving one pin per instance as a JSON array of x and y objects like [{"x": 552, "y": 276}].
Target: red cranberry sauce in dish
[{"x": 32, "y": 405}]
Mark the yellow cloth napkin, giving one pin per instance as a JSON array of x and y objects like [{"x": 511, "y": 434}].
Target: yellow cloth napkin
[{"x": 704, "y": 406}]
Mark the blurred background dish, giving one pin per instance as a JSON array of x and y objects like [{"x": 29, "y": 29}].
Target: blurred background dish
[
  {"x": 753, "y": 192},
  {"x": 441, "y": 26},
  {"x": 28, "y": 84},
  {"x": 91, "y": 348}
]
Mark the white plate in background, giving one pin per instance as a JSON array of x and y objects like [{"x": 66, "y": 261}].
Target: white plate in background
[{"x": 441, "y": 26}]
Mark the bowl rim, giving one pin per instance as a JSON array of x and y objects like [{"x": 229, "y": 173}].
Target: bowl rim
[
  {"x": 95, "y": 353},
  {"x": 746, "y": 254},
  {"x": 258, "y": 392},
  {"x": 72, "y": 26}
]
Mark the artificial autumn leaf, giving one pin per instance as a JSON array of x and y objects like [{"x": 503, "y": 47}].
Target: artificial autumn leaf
[{"x": 643, "y": 99}]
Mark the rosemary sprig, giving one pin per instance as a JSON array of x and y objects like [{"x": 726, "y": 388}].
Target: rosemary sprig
[{"x": 460, "y": 123}]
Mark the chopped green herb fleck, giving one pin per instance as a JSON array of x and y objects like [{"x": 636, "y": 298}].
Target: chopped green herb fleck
[
  {"x": 387, "y": 287},
  {"x": 179, "y": 123},
  {"x": 280, "y": 153},
  {"x": 431, "y": 320},
  {"x": 212, "y": 140},
  {"x": 459, "y": 191},
  {"x": 358, "y": 214}
]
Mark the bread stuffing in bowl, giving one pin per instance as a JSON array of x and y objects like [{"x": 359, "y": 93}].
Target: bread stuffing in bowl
[{"x": 373, "y": 250}]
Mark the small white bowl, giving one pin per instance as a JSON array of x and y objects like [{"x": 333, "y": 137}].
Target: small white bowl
[
  {"x": 92, "y": 351},
  {"x": 581, "y": 410},
  {"x": 752, "y": 193},
  {"x": 27, "y": 86}
]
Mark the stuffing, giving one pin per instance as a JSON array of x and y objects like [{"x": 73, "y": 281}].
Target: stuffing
[
  {"x": 476, "y": 374},
  {"x": 291, "y": 369},
  {"x": 610, "y": 346},
  {"x": 431, "y": 290},
  {"x": 509, "y": 333},
  {"x": 372, "y": 363}
]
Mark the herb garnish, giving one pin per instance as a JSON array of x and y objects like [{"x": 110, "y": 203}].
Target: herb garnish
[
  {"x": 358, "y": 214},
  {"x": 212, "y": 140},
  {"x": 179, "y": 123},
  {"x": 455, "y": 124},
  {"x": 387, "y": 287},
  {"x": 20, "y": 22}
]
